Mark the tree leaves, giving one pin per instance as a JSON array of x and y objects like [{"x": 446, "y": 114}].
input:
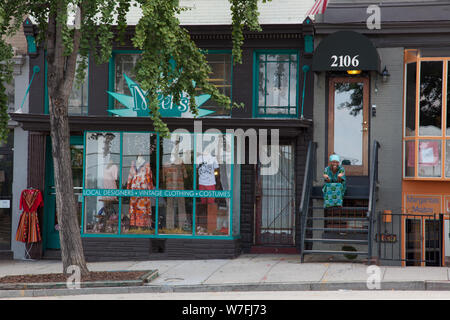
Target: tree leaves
[{"x": 158, "y": 34}]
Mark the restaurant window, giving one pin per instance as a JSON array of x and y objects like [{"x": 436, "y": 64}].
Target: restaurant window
[
  {"x": 141, "y": 184},
  {"x": 78, "y": 99},
  {"x": 276, "y": 86},
  {"x": 426, "y": 135},
  {"x": 220, "y": 76}
]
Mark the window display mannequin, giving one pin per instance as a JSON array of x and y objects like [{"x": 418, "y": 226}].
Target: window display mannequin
[
  {"x": 107, "y": 217},
  {"x": 207, "y": 208},
  {"x": 207, "y": 166},
  {"x": 140, "y": 178},
  {"x": 110, "y": 177},
  {"x": 173, "y": 174}
]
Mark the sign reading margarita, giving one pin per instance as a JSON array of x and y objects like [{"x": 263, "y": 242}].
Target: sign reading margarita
[
  {"x": 136, "y": 105},
  {"x": 423, "y": 204}
]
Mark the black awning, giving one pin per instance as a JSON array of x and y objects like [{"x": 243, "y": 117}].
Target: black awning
[{"x": 346, "y": 50}]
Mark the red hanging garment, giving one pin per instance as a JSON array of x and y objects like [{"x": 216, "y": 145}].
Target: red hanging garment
[{"x": 28, "y": 228}]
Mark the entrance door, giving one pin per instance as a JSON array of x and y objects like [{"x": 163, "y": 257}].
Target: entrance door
[
  {"x": 6, "y": 171},
  {"x": 348, "y": 123},
  {"x": 423, "y": 241},
  {"x": 51, "y": 220},
  {"x": 275, "y": 207}
]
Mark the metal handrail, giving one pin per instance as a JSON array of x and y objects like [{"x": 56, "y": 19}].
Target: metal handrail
[
  {"x": 372, "y": 193},
  {"x": 306, "y": 192}
]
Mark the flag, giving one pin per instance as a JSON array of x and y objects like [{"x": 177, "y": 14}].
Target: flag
[{"x": 319, "y": 7}]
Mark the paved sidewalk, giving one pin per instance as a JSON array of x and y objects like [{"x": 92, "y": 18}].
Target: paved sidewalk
[{"x": 248, "y": 272}]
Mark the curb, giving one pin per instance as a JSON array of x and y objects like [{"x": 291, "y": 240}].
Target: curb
[
  {"x": 142, "y": 280},
  {"x": 304, "y": 286}
]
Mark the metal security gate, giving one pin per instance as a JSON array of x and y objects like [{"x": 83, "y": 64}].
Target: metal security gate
[
  {"x": 414, "y": 240},
  {"x": 275, "y": 202}
]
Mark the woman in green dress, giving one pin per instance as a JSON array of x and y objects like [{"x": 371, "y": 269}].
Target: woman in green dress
[{"x": 334, "y": 187}]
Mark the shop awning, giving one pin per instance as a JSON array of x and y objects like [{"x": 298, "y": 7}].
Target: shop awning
[{"x": 346, "y": 50}]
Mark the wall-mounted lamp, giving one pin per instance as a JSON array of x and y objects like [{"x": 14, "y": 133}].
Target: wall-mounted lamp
[
  {"x": 385, "y": 74},
  {"x": 354, "y": 72}
]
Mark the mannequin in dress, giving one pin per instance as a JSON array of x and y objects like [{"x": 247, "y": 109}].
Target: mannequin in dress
[
  {"x": 173, "y": 173},
  {"x": 140, "y": 178}
]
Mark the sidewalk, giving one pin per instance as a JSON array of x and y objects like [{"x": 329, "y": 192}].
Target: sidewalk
[{"x": 248, "y": 272}]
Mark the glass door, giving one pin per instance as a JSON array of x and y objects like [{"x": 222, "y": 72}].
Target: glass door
[{"x": 348, "y": 123}]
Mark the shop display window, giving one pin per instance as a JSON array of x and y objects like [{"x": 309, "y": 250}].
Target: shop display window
[
  {"x": 276, "y": 84},
  {"x": 447, "y": 158},
  {"x": 429, "y": 158},
  {"x": 410, "y": 153},
  {"x": 101, "y": 215},
  {"x": 138, "y": 215},
  {"x": 430, "y": 104},
  {"x": 426, "y": 154},
  {"x": 175, "y": 215},
  {"x": 410, "y": 99},
  {"x": 102, "y": 160},
  {"x": 148, "y": 185}
]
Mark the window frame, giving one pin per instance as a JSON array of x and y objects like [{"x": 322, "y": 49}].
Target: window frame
[
  {"x": 46, "y": 98},
  {"x": 255, "y": 111},
  {"x": 112, "y": 74},
  {"x": 443, "y": 138},
  {"x": 233, "y": 212}
]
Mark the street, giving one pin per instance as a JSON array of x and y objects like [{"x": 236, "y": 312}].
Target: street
[{"x": 262, "y": 295}]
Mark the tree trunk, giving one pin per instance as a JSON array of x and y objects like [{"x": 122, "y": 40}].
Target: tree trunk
[
  {"x": 66, "y": 207},
  {"x": 61, "y": 74}
]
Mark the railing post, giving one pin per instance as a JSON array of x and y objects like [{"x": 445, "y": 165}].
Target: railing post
[{"x": 306, "y": 194}]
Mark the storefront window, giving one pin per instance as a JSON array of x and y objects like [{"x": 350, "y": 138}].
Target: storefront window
[
  {"x": 410, "y": 105},
  {"x": 138, "y": 183},
  {"x": 410, "y": 153},
  {"x": 425, "y": 157},
  {"x": 277, "y": 84},
  {"x": 429, "y": 158},
  {"x": 175, "y": 215},
  {"x": 101, "y": 215},
  {"x": 102, "y": 160},
  {"x": 447, "y": 158},
  {"x": 448, "y": 101},
  {"x": 430, "y": 98}
]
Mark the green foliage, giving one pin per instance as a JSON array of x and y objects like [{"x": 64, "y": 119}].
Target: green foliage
[
  {"x": 158, "y": 34},
  {"x": 5, "y": 77},
  {"x": 244, "y": 14}
]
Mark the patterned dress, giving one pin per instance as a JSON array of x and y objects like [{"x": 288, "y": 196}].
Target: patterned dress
[
  {"x": 28, "y": 228},
  {"x": 333, "y": 191},
  {"x": 140, "y": 207}
]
